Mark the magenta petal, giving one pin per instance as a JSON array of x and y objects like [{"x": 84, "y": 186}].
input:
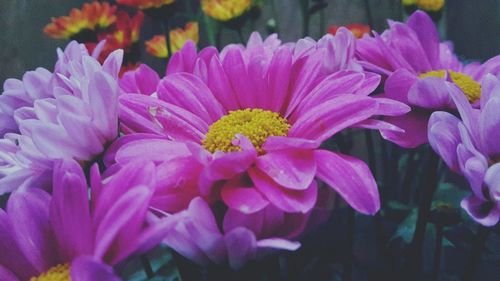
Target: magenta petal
[
  {"x": 291, "y": 168},
  {"x": 254, "y": 222},
  {"x": 444, "y": 137},
  {"x": 396, "y": 87},
  {"x": 427, "y": 34},
  {"x": 285, "y": 199},
  {"x": 87, "y": 268},
  {"x": 190, "y": 93},
  {"x": 241, "y": 247},
  {"x": 374, "y": 124},
  {"x": 221, "y": 87},
  {"x": 110, "y": 154},
  {"x": 390, "y": 107},
  {"x": 328, "y": 118},
  {"x": 7, "y": 275},
  {"x": 34, "y": 233},
  {"x": 227, "y": 165},
  {"x": 351, "y": 178},
  {"x": 103, "y": 99},
  {"x": 492, "y": 180},
  {"x": 244, "y": 199},
  {"x": 113, "y": 63},
  {"x": 156, "y": 150},
  {"x": 11, "y": 256},
  {"x": 414, "y": 125},
  {"x": 431, "y": 93},
  {"x": 480, "y": 211},
  {"x": 121, "y": 226},
  {"x": 69, "y": 210},
  {"x": 278, "y": 243},
  {"x": 143, "y": 80},
  {"x": 280, "y": 143},
  {"x": 489, "y": 127},
  {"x": 279, "y": 78},
  {"x": 235, "y": 68}
]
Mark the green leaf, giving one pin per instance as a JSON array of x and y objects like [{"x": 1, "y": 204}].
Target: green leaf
[
  {"x": 450, "y": 193},
  {"x": 406, "y": 228},
  {"x": 161, "y": 262}
]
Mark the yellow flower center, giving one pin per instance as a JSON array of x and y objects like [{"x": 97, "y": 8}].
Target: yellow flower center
[
  {"x": 59, "y": 272},
  {"x": 430, "y": 5},
  {"x": 469, "y": 86},
  {"x": 255, "y": 124}
]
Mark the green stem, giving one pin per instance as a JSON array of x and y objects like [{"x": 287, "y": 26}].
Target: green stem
[
  {"x": 166, "y": 27},
  {"x": 437, "y": 253},
  {"x": 415, "y": 254}
]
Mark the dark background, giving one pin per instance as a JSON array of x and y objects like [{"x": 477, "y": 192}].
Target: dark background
[{"x": 474, "y": 26}]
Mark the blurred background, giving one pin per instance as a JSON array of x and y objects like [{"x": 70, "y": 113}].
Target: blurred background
[{"x": 474, "y": 27}]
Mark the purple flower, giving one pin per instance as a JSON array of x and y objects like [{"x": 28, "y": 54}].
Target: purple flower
[
  {"x": 70, "y": 114},
  {"x": 470, "y": 147},
  {"x": 65, "y": 235},
  {"x": 409, "y": 54}
]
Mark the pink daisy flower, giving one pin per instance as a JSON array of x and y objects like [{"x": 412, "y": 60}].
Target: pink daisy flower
[
  {"x": 245, "y": 127},
  {"x": 63, "y": 237},
  {"x": 410, "y": 53}
]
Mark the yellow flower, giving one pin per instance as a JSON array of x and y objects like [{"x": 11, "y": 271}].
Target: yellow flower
[
  {"x": 430, "y": 5},
  {"x": 92, "y": 16},
  {"x": 145, "y": 4},
  {"x": 157, "y": 46},
  {"x": 224, "y": 10},
  {"x": 408, "y": 2}
]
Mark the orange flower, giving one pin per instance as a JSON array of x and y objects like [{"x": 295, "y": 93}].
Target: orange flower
[
  {"x": 91, "y": 17},
  {"x": 356, "y": 28},
  {"x": 125, "y": 33},
  {"x": 224, "y": 10},
  {"x": 157, "y": 46},
  {"x": 145, "y": 4}
]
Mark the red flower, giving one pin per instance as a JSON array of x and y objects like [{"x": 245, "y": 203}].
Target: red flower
[{"x": 357, "y": 29}]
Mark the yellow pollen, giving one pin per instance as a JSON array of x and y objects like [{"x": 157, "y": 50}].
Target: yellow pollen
[
  {"x": 59, "y": 272},
  {"x": 469, "y": 86},
  {"x": 255, "y": 124}
]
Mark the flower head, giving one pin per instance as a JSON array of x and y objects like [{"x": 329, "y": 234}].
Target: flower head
[
  {"x": 69, "y": 114},
  {"x": 224, "y": 10},
  {"x": 469, "y": 146},
  {"x": 356, "y": 28},
  {"x": 82, "y": 25},
  {"x": 145, "y": 4},
  {"x": 61, "y": 237},
  {"x": 251, "y": 144},
  {"x": 415, "y": 62},
  {"x": 157, "y": 46}
]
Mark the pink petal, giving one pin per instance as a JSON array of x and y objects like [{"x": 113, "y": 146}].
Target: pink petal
[
  {"x": 292, "y": 168},
  {"x": 244, "y": 199},
  {"x": 351, "y": 178},
  {"x": 328, "y": 118},
  {"x": 285, "y": 199}
]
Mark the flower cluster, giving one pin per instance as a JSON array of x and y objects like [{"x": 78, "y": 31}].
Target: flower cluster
[
  {"x": 101, "y": 22},
  {"x": 224, "y": 158}
]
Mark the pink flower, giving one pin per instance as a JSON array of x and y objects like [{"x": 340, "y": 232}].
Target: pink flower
[
  {"x": 470, "y": 147},
  {"x": 65, "y": 235},
  {"x": 69, "y": 114},
  {"x": 245, "y": 127},
  {"x": 414, "y": 61}
]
